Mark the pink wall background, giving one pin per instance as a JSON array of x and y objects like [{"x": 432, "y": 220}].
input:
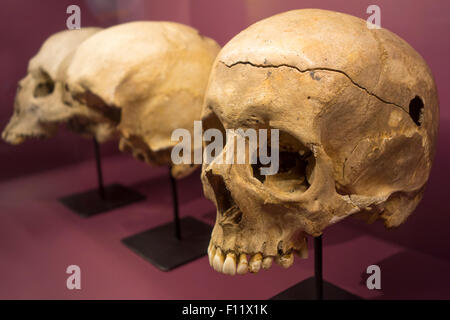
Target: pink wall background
[{"x": 424, "y": 24}]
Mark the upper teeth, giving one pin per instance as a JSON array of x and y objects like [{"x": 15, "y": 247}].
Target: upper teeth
[
  {"x": 242, "y": 267},
  {"x": 233, "y": 263},
  {"x": 229, "y": 266},
  {"x": 267, "y": 262},
  {"x": 286, "y": 260},
  {"x": 255, "y": 263},
  {"x": 218, "y": 260}
]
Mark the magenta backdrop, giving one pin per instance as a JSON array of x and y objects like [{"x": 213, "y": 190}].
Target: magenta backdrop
[{"x": 424, "y": 24}]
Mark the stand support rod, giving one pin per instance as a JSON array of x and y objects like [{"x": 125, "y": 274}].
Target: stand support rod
[
  {"x": 318, "y": 267},
  {"x": 101, "y": 188},
  {"x": 176, "y": 218}
]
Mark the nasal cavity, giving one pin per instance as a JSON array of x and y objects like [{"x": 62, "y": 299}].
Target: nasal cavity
[
  {"x": 44, "y": 88},
  {"x": 223, "y": 195}
]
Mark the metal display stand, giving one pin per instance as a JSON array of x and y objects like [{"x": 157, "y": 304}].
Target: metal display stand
[
  {"x": 175, "y": 243},
  {"x": 103, "y": 198},
  {"x": 315, "y": 288}
]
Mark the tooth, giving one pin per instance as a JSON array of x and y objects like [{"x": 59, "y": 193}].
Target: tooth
[
  {"x": 211, "y": 254},
  {"x": 229, "y": 266},
  {"x": 218, "y": 260},
  {"x": 286, "y": 260},
  {"x": 255, "y": 263},
  {"x": 242, "y": 267},
  {"x": 267, "y": 263}
]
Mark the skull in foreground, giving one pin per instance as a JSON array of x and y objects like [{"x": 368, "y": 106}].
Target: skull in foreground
[
  {"x": 150, "y": 78},
  {"x": 357, "y": 114},
  {"x": 42, "y": 102}
]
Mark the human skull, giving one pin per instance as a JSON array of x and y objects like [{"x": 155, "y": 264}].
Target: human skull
[
  {"x": 154, "y": 74},
  {"x": 357, "y": 113},
  {"x": 41, "y": 102}
]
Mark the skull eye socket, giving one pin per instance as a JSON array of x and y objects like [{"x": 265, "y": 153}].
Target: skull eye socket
[
  {"x": 292, "y": 173},
  {"x": 416, "y": 110},
  {"x": 44, "y": 87},
  {"x": 296, "y": 164}
]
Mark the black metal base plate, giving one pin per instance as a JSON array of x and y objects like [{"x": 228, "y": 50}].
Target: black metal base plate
[
  {"x": 90, "y": 203},
  {"x": 306, "y": 290},
  {"x": 165, "y": 251}
]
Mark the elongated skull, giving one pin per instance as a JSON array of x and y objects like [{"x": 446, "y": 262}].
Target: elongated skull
[
  {"x": 41, "y": 102},
  {"x": 152, "y": 75},
  {"x": 357, "y": 114}
]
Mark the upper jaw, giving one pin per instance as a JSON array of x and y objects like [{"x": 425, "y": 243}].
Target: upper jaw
[
  {"x": 234, "y": 262},
  {"x": 234, "y": 249},
  {"x": 12, "y": 139},
  {"x": 18, "y": 138}
]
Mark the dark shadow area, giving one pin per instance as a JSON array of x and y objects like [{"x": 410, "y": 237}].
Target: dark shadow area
[{"x": 411, "y": 275}]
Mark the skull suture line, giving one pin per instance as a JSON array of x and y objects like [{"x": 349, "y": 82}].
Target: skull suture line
[
  {"x": 42, "y": 101},
  {"x": 155, "y": 74},
  {"x": 357, "y": 113}
]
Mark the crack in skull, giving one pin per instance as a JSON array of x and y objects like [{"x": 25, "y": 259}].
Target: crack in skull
[{"x": 312, "y": 70}]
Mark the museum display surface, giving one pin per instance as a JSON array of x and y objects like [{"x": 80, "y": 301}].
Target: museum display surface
[{"x": 265, "y": 151}]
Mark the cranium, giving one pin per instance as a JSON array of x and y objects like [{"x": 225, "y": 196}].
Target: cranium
[
  {"x": 42, "y": 103},
  {"x": 357, "y": 113},
  {"x": 154, "y": 74}
]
